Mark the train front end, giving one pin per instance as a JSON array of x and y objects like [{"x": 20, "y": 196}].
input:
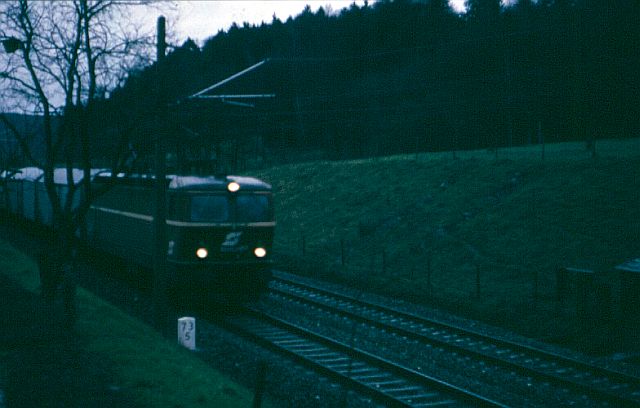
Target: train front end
[{"x": 220, "y": 233}]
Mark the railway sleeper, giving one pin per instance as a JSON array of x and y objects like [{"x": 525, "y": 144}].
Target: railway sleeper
[
  {"x": 365, "y": 378},
  {"x": 381, "y": 384},
  {"x": 424, "y": 399},
  {"x": 302, "y": 347},
  {"x": 318, "y": 356},
  {"x": 314, "y": 352},
  {"x": 434, "y": 404},
  {"x": 350, "y": 372},
  {"x": 328, "y": 361},
  {"x": 408, "y": 391},
  {"x": 290, "y": 342}
]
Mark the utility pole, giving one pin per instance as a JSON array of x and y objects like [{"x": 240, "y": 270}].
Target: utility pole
[{"x": 160, "y": 278}]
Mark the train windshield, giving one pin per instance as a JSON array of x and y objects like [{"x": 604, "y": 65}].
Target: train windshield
[
  {"x": 219, "y": 208},
  {"x": 252, "y": 208},
  {"x": 210, "y": 208}
]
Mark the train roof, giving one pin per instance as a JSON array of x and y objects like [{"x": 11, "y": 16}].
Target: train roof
[
  {"x": 27, "y": 173},
  {"x": 179, "y": 182},
  {"x": 36, "y": 174},
  {"x": 174, "y": 182},
  {"x": 216, "y": 183}
]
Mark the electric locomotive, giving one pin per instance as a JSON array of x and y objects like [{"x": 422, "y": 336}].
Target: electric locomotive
[{"x": 219, "y": 229}]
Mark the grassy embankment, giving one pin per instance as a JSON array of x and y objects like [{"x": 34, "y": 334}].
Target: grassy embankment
[
  {"x": 110, "y": 353},
  {"x": 510, "y": 220}
]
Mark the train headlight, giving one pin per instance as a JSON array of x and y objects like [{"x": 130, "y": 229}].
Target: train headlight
[
  {"x": 233, "y": 187},
  {"x": 202, "y": 253},
  {"x": 260, "y": 252}
]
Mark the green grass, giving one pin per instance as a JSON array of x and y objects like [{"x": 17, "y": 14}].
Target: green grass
[
  {"x": 150, "y": 370},
  {"x": 509, "y": 216}
]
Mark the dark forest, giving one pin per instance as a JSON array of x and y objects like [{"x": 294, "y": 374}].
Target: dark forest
[{"x": 393, "y": 77}]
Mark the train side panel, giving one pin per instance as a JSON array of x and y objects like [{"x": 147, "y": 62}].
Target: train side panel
[{"x": 120, "y": 223}]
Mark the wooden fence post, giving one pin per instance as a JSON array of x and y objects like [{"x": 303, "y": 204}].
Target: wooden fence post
[
  {"x": 477, "y": 281},
  {"x": 535, "y": 288},
  {"x": 603, "y": 302},
  {"x": 584, "y": 288},
  {"x": 384, "y": 261},
  {"x": 429, "y": 276},
  {"x": 260, "y": 384},
  {"x": 561, "y": 283}
]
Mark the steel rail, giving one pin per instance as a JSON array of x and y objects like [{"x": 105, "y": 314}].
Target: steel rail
[
  {"x": 520, "y": 357},
  {"x": 386, "y": 381}
]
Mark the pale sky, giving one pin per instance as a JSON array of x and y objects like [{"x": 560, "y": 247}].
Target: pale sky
[{"x": 202, "y": 19}]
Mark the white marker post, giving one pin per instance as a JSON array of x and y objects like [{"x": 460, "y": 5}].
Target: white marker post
[{"x": 187, "y": 332}]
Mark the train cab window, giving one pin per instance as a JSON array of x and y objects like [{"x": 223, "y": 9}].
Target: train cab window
[
  {"x": 178, "y": 207},
  {"x": 209, "y": 208},
  {"x": 252, "y": 208}
]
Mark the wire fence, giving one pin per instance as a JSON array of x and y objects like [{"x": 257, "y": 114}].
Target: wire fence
[{"x": 582, "y": 300}]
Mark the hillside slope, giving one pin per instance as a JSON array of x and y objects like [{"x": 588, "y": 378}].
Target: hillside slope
[{"x": 480, "y": 233}]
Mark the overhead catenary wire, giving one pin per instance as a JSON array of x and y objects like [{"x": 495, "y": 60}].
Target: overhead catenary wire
[{"x": 202, "y": 93}]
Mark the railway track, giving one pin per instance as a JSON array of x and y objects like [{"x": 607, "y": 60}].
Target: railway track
[
  {"x": 602, "y": 384},
  {"x": 387, "y": 382}
]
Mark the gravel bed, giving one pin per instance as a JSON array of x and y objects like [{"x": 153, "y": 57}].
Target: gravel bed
[
  {"x": 463, "y": 371},
  {"x": 619, "y": 362}
]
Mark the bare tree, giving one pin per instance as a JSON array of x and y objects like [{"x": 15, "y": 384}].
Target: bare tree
[{"x": 65, "y": 53}]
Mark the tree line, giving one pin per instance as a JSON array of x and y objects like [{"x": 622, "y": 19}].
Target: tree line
[
  {"x": 388, "y": 77},
  {"x": 400, "y": 76}
]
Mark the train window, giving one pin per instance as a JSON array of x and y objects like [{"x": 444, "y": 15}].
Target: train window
[
  {"x": 252, "y": 208},
  {"x": 209, "y": 208}
]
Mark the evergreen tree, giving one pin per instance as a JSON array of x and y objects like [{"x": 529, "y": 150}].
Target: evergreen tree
[{"x": 395, "y": 76}]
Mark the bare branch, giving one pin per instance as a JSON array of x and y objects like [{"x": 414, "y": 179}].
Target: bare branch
[{"x": 71, "y": 50}]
